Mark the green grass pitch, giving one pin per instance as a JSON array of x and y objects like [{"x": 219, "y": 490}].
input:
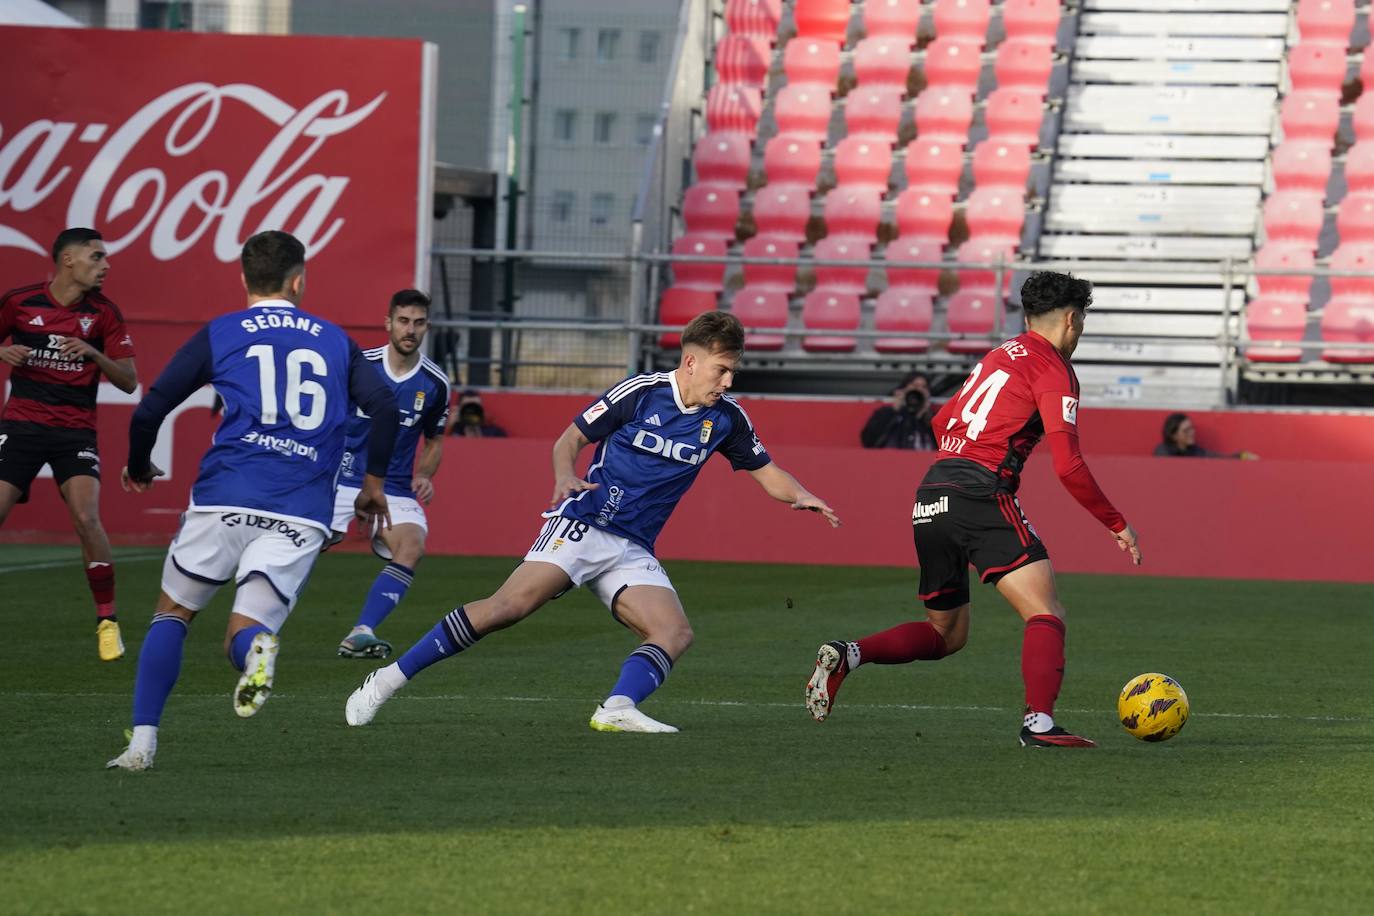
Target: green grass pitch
[{"x": 481, "y": 789}]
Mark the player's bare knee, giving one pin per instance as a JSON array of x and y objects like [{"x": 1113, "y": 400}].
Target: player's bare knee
[
  {"x": 86, "y": 521},
  {"x": 675, "y": 639},
  {"x": 410, "y": 554}
]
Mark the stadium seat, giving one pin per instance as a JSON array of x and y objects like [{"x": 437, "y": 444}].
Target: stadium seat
[
  {"x": 1355, "y": 218},
  {"x": 1326, "y": 21},
  {"x": 743, "y": 60},
  {"x": 902, "y": 311},
  {"x": 804, "y": 111},
  {"x": 1359, "y": 167},
  {"x": 680, "y": 306},
  {"x": 953, "y": 63},
  {"x": 1270, "y": 319},
  {"x": 1284, "y": 256},
  {"x": 1014, "y": 116},
  {"x": 1353, "y": 256},
  {"x": 811, "y": 62},
  {"x": 1302, "y": 165},
  {"x": 1317, "y": 67},
  {"x": 874, "y": 112},
  {"x": 883, "y": 62},
  {"x": 853, "y": 211},
  {"x": 1314, "y": 115},
  {"x": 782, "y": 211},
  {"x": 1001, "y": 165},
  {"x": 934, "y": 165},
  {"x": 973, "y": 312},
  {"x": 711, "y": 210},
  {"x": 826, "y": 310},
  {"x": 1362, "y": 119},
  {"x": 924, "y": 214},
  {"x": 914, "y": 249},
  {"x": 1024, "y": 63},
  {"x": 853, "y": 280},
  {"x": 1293, "y": 216},
  {"x": 758, "y": 307},
  {"x": 1348, "y": 319},
  {"x": 944, "y": 115},
  {"x": 699, "y": 276},
  {"x": 985, "y": 251},
  {"x": 722, "y": 159},
  {"x": 792, "y": 159},
  {"x": 996, "y": 213},
  {"x": 733, "y": 109},
  {"x": 1367, "y": 71},
  {"x": 892, "y": 18},
  {"x": 1037, "y": 20},
  {"x": 966, "y": 20},
  {"x": 828, "y": 19},
  {"x": 780, "y": 277},
  {"x": 863, "y": 161},
  {"x": 754, "y": 18}
]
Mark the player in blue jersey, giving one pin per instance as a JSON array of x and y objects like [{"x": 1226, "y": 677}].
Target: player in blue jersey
[
  {"x": 653, "y": 433},
  {"x": 264, "y": 498},
  {"x": 422, "y": 392}
]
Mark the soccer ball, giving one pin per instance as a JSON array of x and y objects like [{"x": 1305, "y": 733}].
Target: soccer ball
[{"x": 1153, "y": 707}]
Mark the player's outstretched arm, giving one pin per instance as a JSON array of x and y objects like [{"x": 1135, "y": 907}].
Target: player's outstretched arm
[
  {"x": 1078, "y": 480},
  {"x": 565, "y": 479},
  {"x": 374, "y": 398},
  {"x": 190, "y": 368},
  {"x": 782, "y": 486}
]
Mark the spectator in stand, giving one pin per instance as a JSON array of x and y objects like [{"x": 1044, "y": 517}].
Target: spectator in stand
[
  {"x": 1180, "y": 441},
  {"x": 470, "y": 419},
  {"x": 905, "y": 423}
]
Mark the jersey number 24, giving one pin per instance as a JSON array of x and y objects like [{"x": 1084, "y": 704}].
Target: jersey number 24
[{"x": 978, "y": 405}]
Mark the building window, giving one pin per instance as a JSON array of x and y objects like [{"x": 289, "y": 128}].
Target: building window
[
  {"x": 565, "y": 125},
  {"x": 561, "y": 211},
  {"x": 607, "y": 44},
  {"x": 569, "y": 40},
  {"x": 648, "y": 47},
  {"x": 155, "y": 14},
  {"x": 644, "y": 129},
  {"x": 604, "y": 128},
  {"x": 602, "y": 205}
]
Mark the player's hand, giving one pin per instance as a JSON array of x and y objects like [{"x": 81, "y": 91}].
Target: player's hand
[
  {"x": 75, "y": 349},
  {"x": 15, "y": 355},
  {"x": 423, "y": 487},
  {"x": 132, "y": 484},
  {"x": 564, "y": 487},
  {"x": 816, "y": 504},
  {"x": 1126, "y": 540},
  {"x": 370, "y": 507}
]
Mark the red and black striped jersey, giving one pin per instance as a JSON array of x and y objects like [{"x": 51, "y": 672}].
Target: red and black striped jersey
[{"x": 50, "y": 389}]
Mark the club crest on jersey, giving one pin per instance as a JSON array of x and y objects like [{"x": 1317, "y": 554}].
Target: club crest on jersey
[
  {"x": 85, "y": 323},
  {"x": 706, "y": 426},
  {"x": 419, "y": 400}
]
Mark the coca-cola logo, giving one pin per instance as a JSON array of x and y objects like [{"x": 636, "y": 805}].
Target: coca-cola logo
[{"x": 172, "y": 218}]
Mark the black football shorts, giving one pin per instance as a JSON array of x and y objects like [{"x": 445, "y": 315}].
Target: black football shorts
[
  {"x": 26, "y": 447},
  {"x": 952, "y": 530}
]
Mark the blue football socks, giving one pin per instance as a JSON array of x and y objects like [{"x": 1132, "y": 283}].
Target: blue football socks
[
  {"x": 387, "y": 592},
  {"x": 643, "y": 672},
  {"x": 159, "y": 666},
  {"x": 242, "y": 642},
  {"x": 451, "y": 635}
]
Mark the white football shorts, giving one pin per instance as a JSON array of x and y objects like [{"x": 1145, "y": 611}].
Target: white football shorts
[
  {"x": 606, "y": 563},
  {"x": 214, "y": 547},
  {"x": 404, "y": 511}
]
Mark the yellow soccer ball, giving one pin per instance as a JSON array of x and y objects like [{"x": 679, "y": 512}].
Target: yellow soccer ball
[{"x": 1153, "y": 707}]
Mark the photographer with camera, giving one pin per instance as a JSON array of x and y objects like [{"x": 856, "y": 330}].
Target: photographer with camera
[
  {"x": 905, "y": 423},
  {"x": 470, "y": 419}
]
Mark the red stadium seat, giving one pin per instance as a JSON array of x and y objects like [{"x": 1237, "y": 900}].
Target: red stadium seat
[
  {"x": 792, "y": 159},
  {"x": 1293, "y": 216},
  {"x": 754, "y": 18},
  {"x": 1367, "y": 70},
  {"x": 892, "y": 18},
  {"x": 699, "y": 276},
  {"x": 1284, "y": 256},
  {"x": 863, "y": 161},
  {"x": 883, "y": 62},
  {"x": 934, "y": 165},
  {"x": 744, "y": 61},
  {"x": 996, "y": 213},
  {"x": 985, "y": 251},
  {"x": 734, "y": 109},
  {"x": 756, "y": 307},
  {"x": 906, "y": 312},
  {"x": 1328, "y": 21},
  {"x": 924, "y": 214},
  {"x": 977, "y": 311},
  {"x": 828, "y": 19},
  {"x": 914, "y": 249},
  {"x": 711, "y": 210},
  {"x": 1348, "y": 319},
  {"x": 782, "y": 211},
  {"x": 1314, "y": 116},
  {"x": 780, "y": 277},
  {"x": 874, "y": 112},
  {"x": 852, "y": 280},
  {"x": 680, "y": 306},
  {"x": 1359, "y": 167},
  {"x": 1270, "y": 320},
  {"x": 853, "y": 211},
  {"x": 828, "y": 310},
  {"x": 803, "y": 110},
  {"x": 1302, "y": 165},
  {"x": 1014, "y": 116},
  {"x": 811, "y": 61},
  {"x": 1001, "y": 165},
  {"x": 722, "y": 159},
  {"x": 963, "y": 19},
  {"x": 1353, "y": 256},
  {"x": 1317, "y": 67},
  {"x": 944, "y": 115},
  {"x": 953, "y": 63},
  {"x": 1037, "y": 20},
  {"x": 1024, "y": 63},
  {"x": 1355, "y": 218}
]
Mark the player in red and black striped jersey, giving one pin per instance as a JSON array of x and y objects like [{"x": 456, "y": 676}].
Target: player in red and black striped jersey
[
  {"x": 966, "y": 510},
  {"x": 63, "y": 335}
]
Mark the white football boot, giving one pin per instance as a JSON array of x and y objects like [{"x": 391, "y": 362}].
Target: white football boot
[
  {"x": 138, "y": 756},
  {"x": 259, "y": 668},
  {"x": 622, "y": 716},
  {"x": 376, "y": 689}
]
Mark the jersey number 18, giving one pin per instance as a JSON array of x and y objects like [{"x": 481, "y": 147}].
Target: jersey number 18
[{"x": 305, "y": 416}]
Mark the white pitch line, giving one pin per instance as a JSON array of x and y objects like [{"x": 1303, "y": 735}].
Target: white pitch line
[{"x": 54, "y": 564}]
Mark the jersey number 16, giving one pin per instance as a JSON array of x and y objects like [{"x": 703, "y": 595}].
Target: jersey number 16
[{"x": 304, "y": 417}]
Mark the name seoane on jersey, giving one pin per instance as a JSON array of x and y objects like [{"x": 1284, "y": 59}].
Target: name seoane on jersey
[
  {"x": 282, "y": 319},
  {"x": 686, "y": 452}
]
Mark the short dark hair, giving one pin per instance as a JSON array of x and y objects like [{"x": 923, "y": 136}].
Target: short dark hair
[
  {"x": 404, "y": 297},
  {"x": 1171, "y": 424},
  {"x": 910, "y": 377},
  {"x": 1045, "y": 290},
  {"x": 269, "y": 259},
  {"x": 73, "y": 236},
  {"x": 716, "y": 331}
]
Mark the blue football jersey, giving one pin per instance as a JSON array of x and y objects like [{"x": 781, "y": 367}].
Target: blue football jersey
[
  {"x": 422, "y": 399},
  {"x": 650, "y": 449}
]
